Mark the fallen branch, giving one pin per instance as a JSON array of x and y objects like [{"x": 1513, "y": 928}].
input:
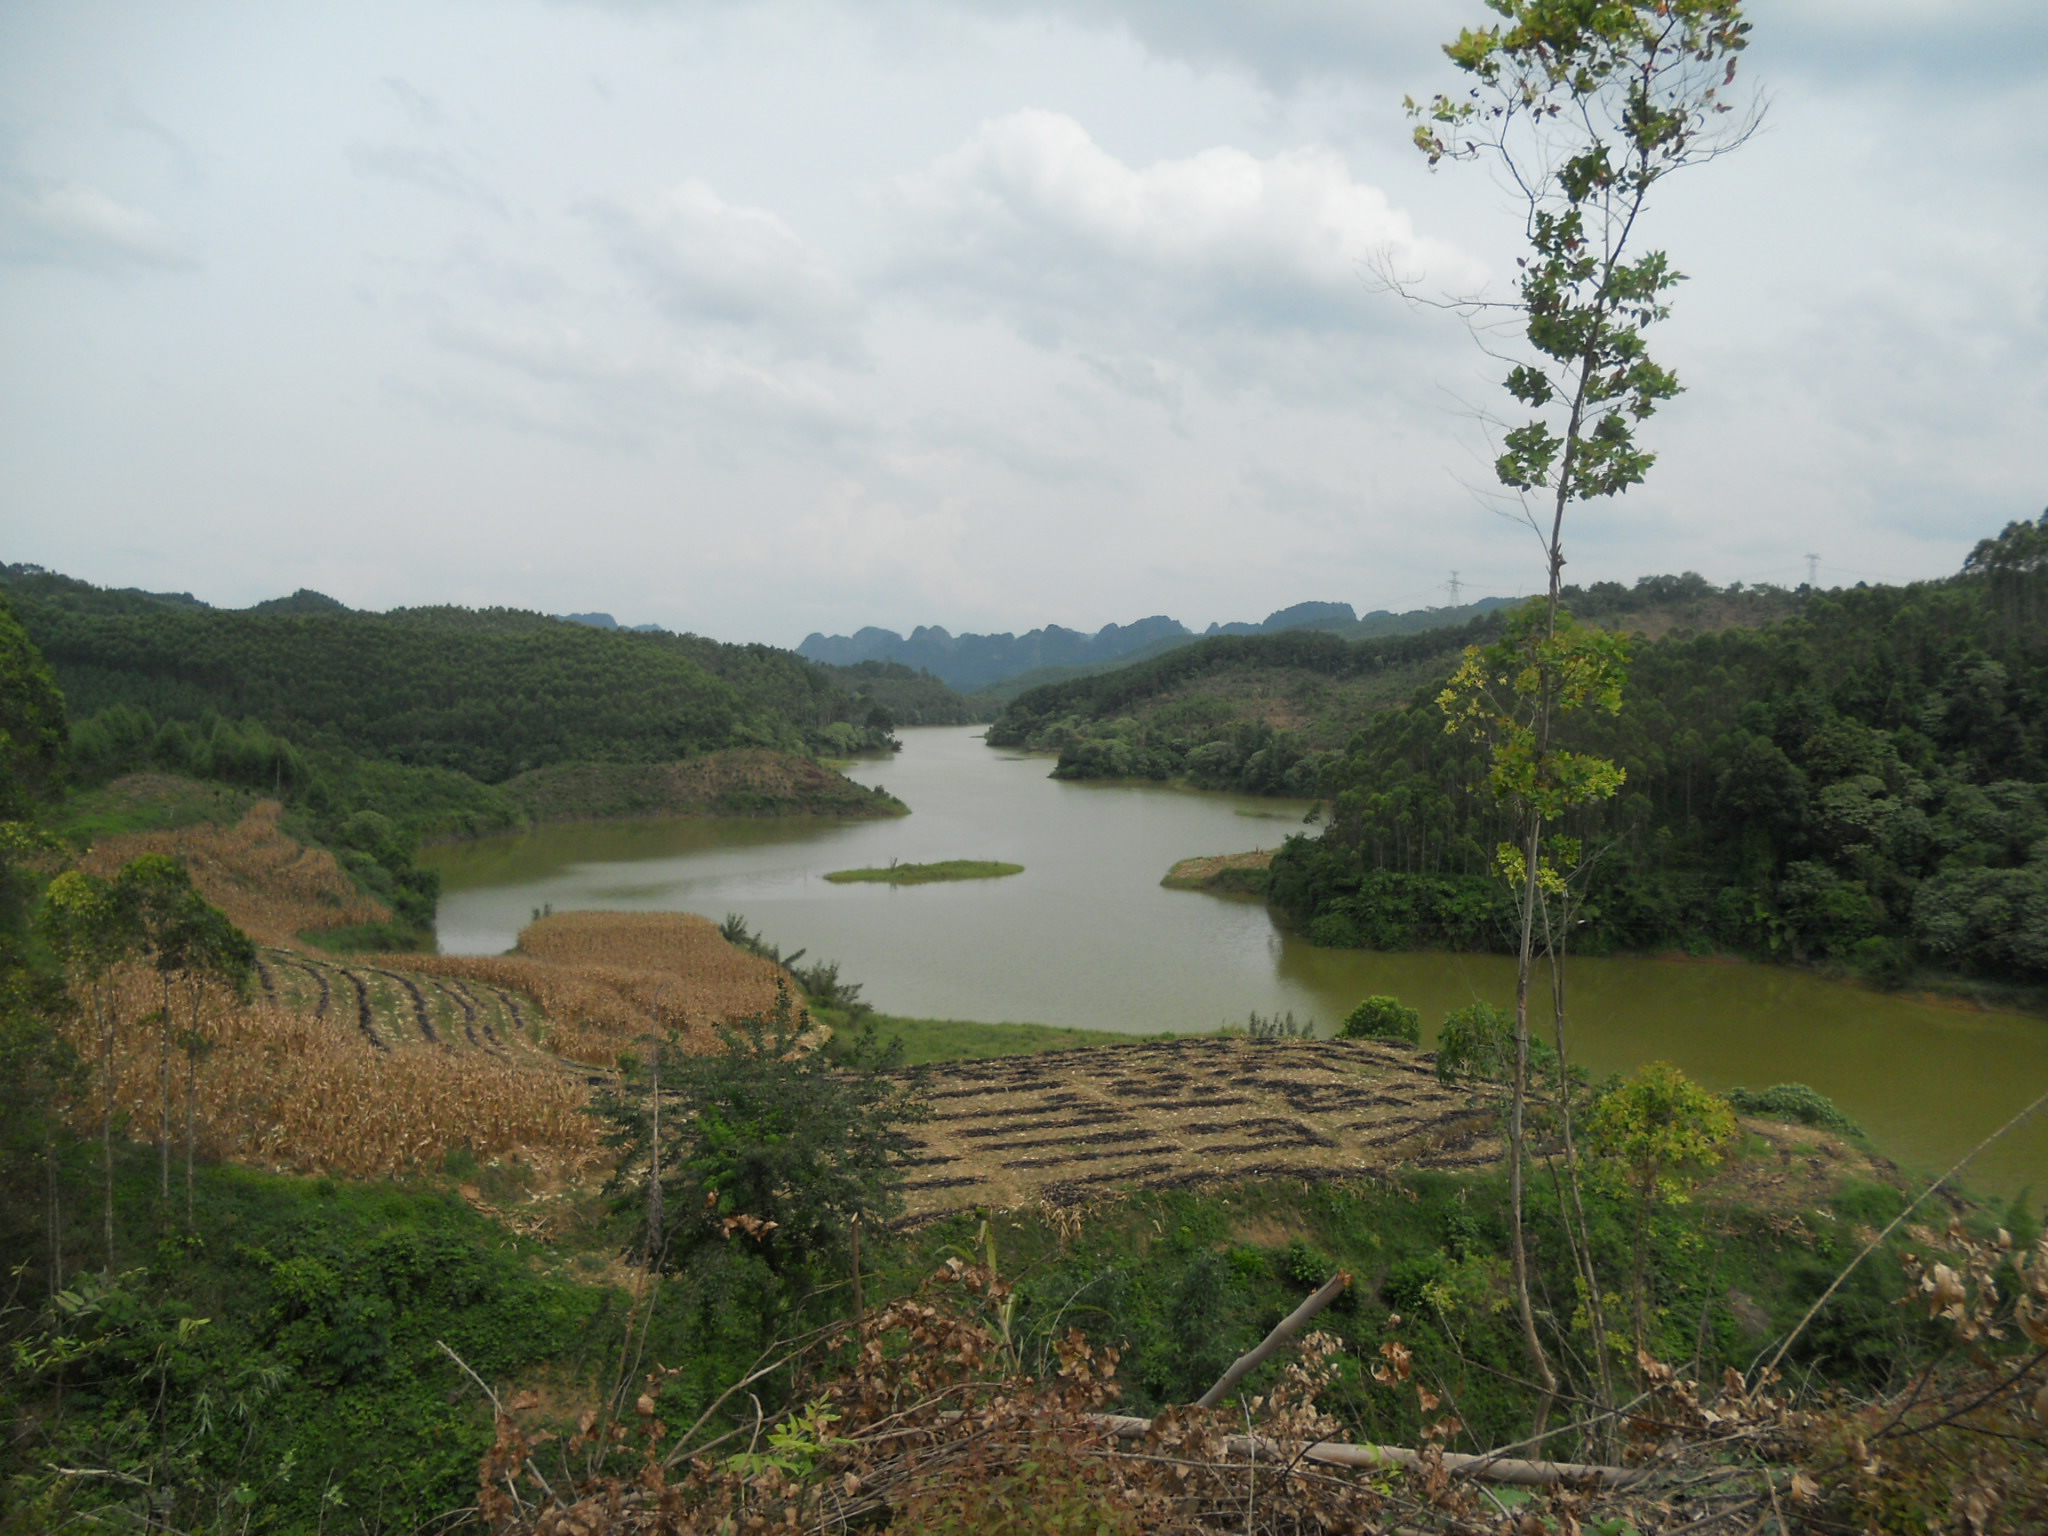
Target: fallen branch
[
  {"x": 502, "y": 1414},
  {"x": 1290, "y": 1325},
  {"x": 1371, "y": 1458}
]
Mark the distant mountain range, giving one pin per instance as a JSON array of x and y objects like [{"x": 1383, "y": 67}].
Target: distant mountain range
[{"x": 973, "y": 662}]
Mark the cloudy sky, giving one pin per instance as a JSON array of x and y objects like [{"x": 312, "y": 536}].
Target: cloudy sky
[{"x": 755, "y": 317}]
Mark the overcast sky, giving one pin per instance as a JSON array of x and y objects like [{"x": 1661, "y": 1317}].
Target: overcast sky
[{"x": 755, "y": 317}]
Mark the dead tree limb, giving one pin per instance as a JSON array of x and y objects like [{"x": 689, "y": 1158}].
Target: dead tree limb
[
  {"x": 1290, "y": 1325},
  {"x": 1332, "y": 1453}
]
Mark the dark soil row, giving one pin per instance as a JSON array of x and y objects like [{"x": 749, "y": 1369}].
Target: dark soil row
[
  {"x": 1104, "y": 1116},
  {"x": 1050, "y": 1101},
  {"x": 1092, "y": 1139},
  {"x": 420, "y": 1012}
]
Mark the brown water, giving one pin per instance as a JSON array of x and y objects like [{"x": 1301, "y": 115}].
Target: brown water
[{"x": 1086, "y": 936}]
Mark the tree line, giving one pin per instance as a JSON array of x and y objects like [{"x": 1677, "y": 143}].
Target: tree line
[
  {"x": 489, "y": 693},
  {"x": 1862, "y": 784},
  {"x": 1141, "y": 722}
]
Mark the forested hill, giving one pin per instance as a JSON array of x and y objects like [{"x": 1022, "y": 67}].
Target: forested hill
[
  {"x": 1865, "y": 782},
  {"x": 489, "y": 693},
  {"x": 1267, "y": 713}
]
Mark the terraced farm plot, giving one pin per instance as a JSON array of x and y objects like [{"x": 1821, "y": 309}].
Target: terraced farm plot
[
  {"x": 389, "y": 1007},
  {"x": 1068, "y": 1126},
  {"x": 602, "y": 978}
]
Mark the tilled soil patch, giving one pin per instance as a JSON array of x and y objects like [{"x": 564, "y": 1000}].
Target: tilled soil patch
[{"x": 1146, "y": 1116}]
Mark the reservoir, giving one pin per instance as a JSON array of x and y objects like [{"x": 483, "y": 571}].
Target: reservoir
[{"x": 1086, "y": 936}]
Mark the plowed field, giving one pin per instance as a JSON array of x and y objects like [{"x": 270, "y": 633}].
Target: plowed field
[{"x": 1067, "y": 1126}]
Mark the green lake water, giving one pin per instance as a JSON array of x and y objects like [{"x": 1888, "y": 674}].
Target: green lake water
[{"x": 1086, "y": 936}]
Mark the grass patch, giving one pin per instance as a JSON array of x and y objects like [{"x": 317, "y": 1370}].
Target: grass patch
[
  {"x": 147, "y": 802},
  {"x": 368, "y": 939},
  {"x": 926, "y": 874},
  {"x": 930, "y": 1040}
]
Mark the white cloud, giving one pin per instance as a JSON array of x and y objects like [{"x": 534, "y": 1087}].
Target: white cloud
[
  {"x": 1282, "y": 42},
  {"x": 72, "y": 224},
  {"x": 1226, "y": 260},
  {"x": 708, "y": 263},
  {"x": 431, "y": 170},
  {"x": 562, "y": 379}
]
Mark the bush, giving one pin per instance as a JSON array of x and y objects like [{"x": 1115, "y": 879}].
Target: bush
[
  {"x": 1793, "y": 1101},
  {"x": 1659, "y": 1128},
  {"x": 768, "y": 1138},
  {"x": 1382, "y": 1018},
  {"x": 1477, "y": 1044}
]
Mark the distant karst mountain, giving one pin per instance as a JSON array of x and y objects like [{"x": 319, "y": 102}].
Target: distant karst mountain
[
  {"x": 606, "y": 621},
  {"x": 970, "y": 662}
]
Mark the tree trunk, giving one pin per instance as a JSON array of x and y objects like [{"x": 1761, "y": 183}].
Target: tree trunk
[
  {"x": 1517, "y": 1134},
  {"x": 56, "y": 1212},
  {"x": 106, "y": 1012},
  {"x": 163, "y": 1085},
  {"x": 656, "y": 1216}
]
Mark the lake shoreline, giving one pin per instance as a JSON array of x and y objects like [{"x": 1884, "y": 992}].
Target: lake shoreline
[{"x": 1089, "y": 940}]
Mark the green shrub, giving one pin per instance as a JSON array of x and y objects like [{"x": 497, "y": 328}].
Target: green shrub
[
  {"x": 1659, "y": 1130},
  {"x": 1796, "y": 1102},
  {"x": 1304, "y": 1264},
  {"x": 1383, "y": 1018},
  {"x": 1477, "y": 1044}
]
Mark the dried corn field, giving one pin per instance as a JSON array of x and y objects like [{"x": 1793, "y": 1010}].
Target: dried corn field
[
  {"x": 1068, "y": 1126},
  {"x": 340, "y": 1069},
  {"x": 270, "y": 885},
  {"x": 601, "y": 977}
]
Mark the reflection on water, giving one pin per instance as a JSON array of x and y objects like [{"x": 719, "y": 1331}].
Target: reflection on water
[{"x": 1087, "y": 936}]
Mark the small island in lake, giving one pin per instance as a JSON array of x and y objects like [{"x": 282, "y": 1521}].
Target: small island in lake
[{"x": 925, "y": 874}]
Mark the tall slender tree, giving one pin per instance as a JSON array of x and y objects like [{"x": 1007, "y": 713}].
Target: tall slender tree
[{"x": 1583, "y": 107}]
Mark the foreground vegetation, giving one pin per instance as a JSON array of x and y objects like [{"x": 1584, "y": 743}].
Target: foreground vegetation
[{"x": 277, "y": 1364}]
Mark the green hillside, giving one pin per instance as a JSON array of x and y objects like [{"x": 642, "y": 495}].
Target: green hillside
[
  {"x": 1266, "y": 714},
  {"x": 487, "y": 692},
  {"x": 905, "y": 695},
  {"x": 1864, "y": 783},
  {"x": 381, "y": 730}
]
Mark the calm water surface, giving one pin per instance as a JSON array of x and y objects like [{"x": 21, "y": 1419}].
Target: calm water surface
[{"x": 1087, "y": 936}]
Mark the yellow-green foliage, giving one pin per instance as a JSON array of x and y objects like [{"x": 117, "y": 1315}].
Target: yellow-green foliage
[{"x": 1658, "y": 1129}]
